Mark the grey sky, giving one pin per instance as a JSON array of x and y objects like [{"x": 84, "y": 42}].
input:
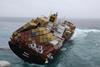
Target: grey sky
[{"x": 65, "y": 8}]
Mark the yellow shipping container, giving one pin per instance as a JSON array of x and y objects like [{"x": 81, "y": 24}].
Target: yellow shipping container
[
  {"x": 32, "y": 24},
  {"x": 45, "y": 32},
  {"x": 40, "y": 32},
  {"x": 26, "y": 25},
  {"x": 42, "y": 20},
  {"x": 41, "y": 29},
  {"x": 29, "y": 25},
  {"x": 50, "y": 36},
  {"x": 45, "y": 38},
  {"x": 15, "y": 33}
]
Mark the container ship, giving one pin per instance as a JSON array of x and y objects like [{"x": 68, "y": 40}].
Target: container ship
[{"x": 39, "y": 40}]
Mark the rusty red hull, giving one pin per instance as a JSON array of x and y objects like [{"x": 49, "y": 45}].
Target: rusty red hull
[{"x": 29, "y": 55}]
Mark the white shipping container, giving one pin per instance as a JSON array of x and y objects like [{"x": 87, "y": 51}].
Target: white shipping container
[{"x": 59, "y": 31}]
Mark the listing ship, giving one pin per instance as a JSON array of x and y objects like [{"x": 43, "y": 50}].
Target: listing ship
[{"x": 39, "y": 40}]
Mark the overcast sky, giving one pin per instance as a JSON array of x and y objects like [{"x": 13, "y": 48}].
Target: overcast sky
[{"x": 65, "y": 8}]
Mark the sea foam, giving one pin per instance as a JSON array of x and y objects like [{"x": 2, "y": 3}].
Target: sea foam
[{"x": 83, "y": 32}]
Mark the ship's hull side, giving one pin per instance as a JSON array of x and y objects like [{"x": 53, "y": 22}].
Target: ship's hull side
[{"x": 33, "y": 58}]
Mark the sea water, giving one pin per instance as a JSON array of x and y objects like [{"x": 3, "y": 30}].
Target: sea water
[{"x": 82, "y": 50}]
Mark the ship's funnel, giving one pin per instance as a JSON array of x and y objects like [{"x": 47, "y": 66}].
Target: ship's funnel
[
  {"x": 53, "y": 17},
  {"x": 52, "y": 21}
]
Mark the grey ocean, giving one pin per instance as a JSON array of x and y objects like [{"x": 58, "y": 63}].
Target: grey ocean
[{"x": 83, "y": 50}]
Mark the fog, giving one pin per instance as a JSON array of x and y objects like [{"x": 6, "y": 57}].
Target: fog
[{"x": 65, "y": 8}]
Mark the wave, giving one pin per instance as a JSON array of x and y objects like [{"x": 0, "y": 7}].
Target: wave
[
  {"x": 84, "y": 32},
  {"x": 88, "y": 30}
]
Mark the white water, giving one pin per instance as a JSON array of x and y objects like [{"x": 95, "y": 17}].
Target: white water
[{"x": 83, "y": 32}]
